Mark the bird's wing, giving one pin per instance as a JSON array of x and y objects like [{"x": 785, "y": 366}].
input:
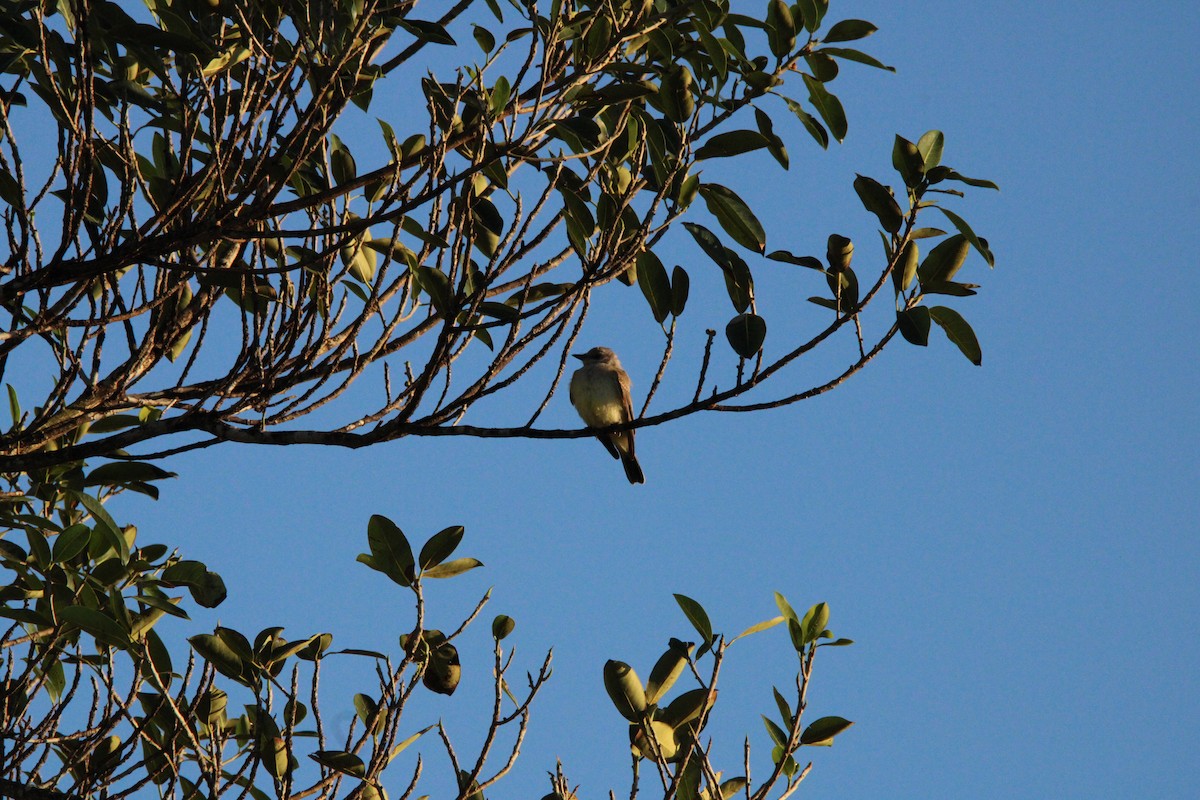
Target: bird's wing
[{"x": 625, "y": 385}]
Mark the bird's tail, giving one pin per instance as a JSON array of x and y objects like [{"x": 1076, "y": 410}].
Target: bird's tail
[{"x": 633, "y": 470}]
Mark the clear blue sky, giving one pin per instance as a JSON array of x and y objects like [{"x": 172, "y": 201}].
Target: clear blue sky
[{"x": 1014, "y": 547}]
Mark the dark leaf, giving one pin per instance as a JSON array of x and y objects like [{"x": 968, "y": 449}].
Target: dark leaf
[
  {"x": 930, "y": 146},
  {"x": 821, "y": 732},
  {"x": 944, "y": 260},
  {"x": 340, "y": 762},
  {"x": 848, "y": 30},
  {"x": 502, "y": 626},
  {"x": 427, "y": 31},
  {"x": 655, "y": 285},
  {"x": 680, "y": 284},
  {"x": 697, "y": 616},
  {"x": 814, "y": 128},
  {"x": 70, "y": 543},
  {"x": 958, "y": 331},
  {"x": 125, "y": 472},
  {"x": 858, "y": 56},
  {"x": 731, "y": 143},
  {"x": 879, "y": 201},
  {"x": 953, "y": 175},
  {"x": 746, "y": 333},
  {"x": 218, "y": 653},
  {"x": 907, "y": 160},
  {"x": 790, "y": 258},
  {"x": 390, "y": 550},
  {"x": 484, "y": 38},
  {"x": 440, "y": 546},
  {"x": 102, "y": 627},
  {"x": 914, "y": 324},
  {"x": 966, "y": 231},
  {"x": 828, "y": 106},
  {"x": 735, "y": 216}
]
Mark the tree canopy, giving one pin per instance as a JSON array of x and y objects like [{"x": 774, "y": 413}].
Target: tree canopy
[{"x": 201, "y": 253}]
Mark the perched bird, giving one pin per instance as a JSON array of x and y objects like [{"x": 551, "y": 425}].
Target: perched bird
[{"x": 600, "y": 393}]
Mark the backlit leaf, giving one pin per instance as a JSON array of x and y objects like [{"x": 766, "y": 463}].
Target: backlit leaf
[
  {"x": 735, "y": 216},
  {"x": 746, "y": 333},
  {"x": 958, "y": 331}
]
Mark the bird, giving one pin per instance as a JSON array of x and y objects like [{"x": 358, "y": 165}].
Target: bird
[{"x": 600, "y": 393}]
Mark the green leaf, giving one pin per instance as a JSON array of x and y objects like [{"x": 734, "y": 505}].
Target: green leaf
[
  {"x": 341, "y": 162},
  {"x": 451, "y": 568},
  {"x": 758, "y": 628},
  {"x": 930, "y": 145},
  {"x": 688, "y": 706},
  {"x": 777, "y": 734},
  {"x": 857, "y": 56},
  {"x": 104, "y": 524},
  {"x": 814, "y": 622},
  {"x": 731, "y": 143},
  {"x": 102, "y": 627},
  {"x": 502, "y": 626},
  {"x": 666, "y": 671},
  {"x": 440, "y": 546},
  {"x": 739, "y": 283},
  {"x": 879, "y": 201},
  {"x": 958, "y": 331},
  {"x": 114, "y": 423},
  {"x": 785, "y": 607},
  {"x": 821, "y": 732},
  {"x": 735, "y": 216},
  {"x": 655, "y": 285},
  {"x": 907, "y": 160},
  {"x": 954, "y": 175},
  {"x": 979, "y": 244},
  {"x": 689, "y": 780},
  {"x": 781, "y": 28},
  {"x": 914, "y": 324},
  {"x": 708, "y": 242},
  {"x": 206, "y": 587},
  {"x": 680, "y": 283},
  {"x": 775, "y": 145},
  {"x": 848, "y": 30},
  {"x": 814, "y": 128},
  {"x": 340, "y": 761},
  {"x": 217, "y": 652},
  {"x": 391, "y": 553},
  {"x": 926, "y": 233},
  {"x": 827, "y": 105},
  {"x": 790, "y": 258},
  {"x": 746, "y": 333},
  {"x": 14, "y": 405},
  {"x": 484, "y": 38},
  {"x": 70, "y": 543},
  {"x": 785, "y": 710},
  {"x": 125, "y": 472},
  {"x": 944, "y": 260},
  {"x": 905, "y": 269},
  {"x": 427, "y": 31},
  {"x": 624, "y": 688},
  {"x": 398, "y": 749},
  {"x": 697, "y": 616}
]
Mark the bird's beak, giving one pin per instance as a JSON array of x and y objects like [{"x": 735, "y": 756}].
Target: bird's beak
[{"x": 577, "y": 355}]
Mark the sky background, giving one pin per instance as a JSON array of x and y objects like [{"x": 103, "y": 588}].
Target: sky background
[{"x": 1013, "y": 547}]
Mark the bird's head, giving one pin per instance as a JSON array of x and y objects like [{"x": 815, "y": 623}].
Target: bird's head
[{"x": 598, "y": 355}]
